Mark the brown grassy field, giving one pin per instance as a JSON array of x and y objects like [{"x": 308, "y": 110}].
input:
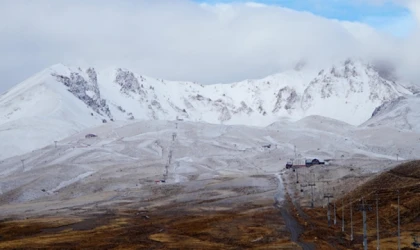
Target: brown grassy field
[{"x": 244, "y": 228}]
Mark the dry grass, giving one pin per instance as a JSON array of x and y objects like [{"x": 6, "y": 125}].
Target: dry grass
[
  {"x": 406, "y": 179},
  {"x": 174, "y": 229}
]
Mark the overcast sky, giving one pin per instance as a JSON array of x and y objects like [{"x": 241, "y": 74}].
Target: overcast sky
[{"x": 204, "y": 41}]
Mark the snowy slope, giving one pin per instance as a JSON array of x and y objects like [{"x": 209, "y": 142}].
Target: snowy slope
[
  {"x": 251, "y": 102},
  {"x": 43, "y": 96},
  {"x": 128, "y": 155},
  {"x": 26, "y": 134},
  {"x": 69, "y": 99},
  {"x": 349, "y": 92},
  {"x": 39, "y": 111},
  {"x": 402, "y": 113}
]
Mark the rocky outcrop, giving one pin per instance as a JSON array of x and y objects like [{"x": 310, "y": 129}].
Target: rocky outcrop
[
  {"x": 387, "y": 105},
  {"x": 86, "y": 90},
  {"x": 224, "y": 115},
  {"x": 129, "y": 83},
  {"x": 286, "y": 98},
  {"x": 244, "y": 108}
]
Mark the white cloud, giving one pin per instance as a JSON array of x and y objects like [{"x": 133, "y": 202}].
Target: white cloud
[
  {"x": 182, "y": 40},
  {"x": 414, "y": 6}
]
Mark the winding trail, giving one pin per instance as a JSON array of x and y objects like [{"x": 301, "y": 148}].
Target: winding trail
[{"x": 292, "y": 224}]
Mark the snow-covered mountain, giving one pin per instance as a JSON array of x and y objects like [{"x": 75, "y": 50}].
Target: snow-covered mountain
[
  {"x": 402, "y": 113},
  {"x": 61, "y": 100},
  {"x": 348, "y": 92}
]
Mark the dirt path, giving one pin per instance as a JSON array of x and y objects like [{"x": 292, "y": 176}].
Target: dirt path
[
  {"x": 294, "y": 228},
  {"x": 292, "y": 224}
]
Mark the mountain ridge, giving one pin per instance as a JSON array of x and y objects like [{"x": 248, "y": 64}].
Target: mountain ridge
[
  {"x": 74, "y": 99},
  {"x": 293, "y": 94}
]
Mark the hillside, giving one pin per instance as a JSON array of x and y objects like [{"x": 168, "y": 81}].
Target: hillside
[
  {"x": 124, "y": 152},
  {"x": 208, "y": 170},
  {"x": 402, "y": 180}
]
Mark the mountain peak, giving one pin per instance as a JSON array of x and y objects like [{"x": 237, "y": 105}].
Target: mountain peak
[
  {"x": 348, "y": 91},
  {"x": 58, "y": 67}
]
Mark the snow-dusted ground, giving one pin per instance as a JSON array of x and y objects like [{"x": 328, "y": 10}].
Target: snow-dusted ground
[{"x": 207, "y": 162}]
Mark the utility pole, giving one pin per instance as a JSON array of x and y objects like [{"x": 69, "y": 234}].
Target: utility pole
[
  {"x": 351, "y": 220},
  {"x": 377, "y": 223},
  {"x": 399, "y": 238},
  {"x": 167, "y": 169},
  {"x": 342, "y": 215},
  {"x": 364, "y": 207},
  {"x": 335, "y": 215},
  {"x": 312, "y": 185},
  {"x": 328, "y": 196}
]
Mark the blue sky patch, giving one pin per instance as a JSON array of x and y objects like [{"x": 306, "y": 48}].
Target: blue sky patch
[{"x": 385, "y": 16}]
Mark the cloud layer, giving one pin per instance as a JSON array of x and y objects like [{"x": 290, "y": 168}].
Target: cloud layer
[{"x": 184, "y": 40}]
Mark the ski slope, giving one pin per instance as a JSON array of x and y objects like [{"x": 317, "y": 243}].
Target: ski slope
[{"x": 128, "y": 155}]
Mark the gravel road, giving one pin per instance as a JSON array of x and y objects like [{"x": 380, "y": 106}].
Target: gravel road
[{"x": 292, "y": 224}]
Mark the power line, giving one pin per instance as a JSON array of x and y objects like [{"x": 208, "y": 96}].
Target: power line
[{"x": 385, "y": 194}]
